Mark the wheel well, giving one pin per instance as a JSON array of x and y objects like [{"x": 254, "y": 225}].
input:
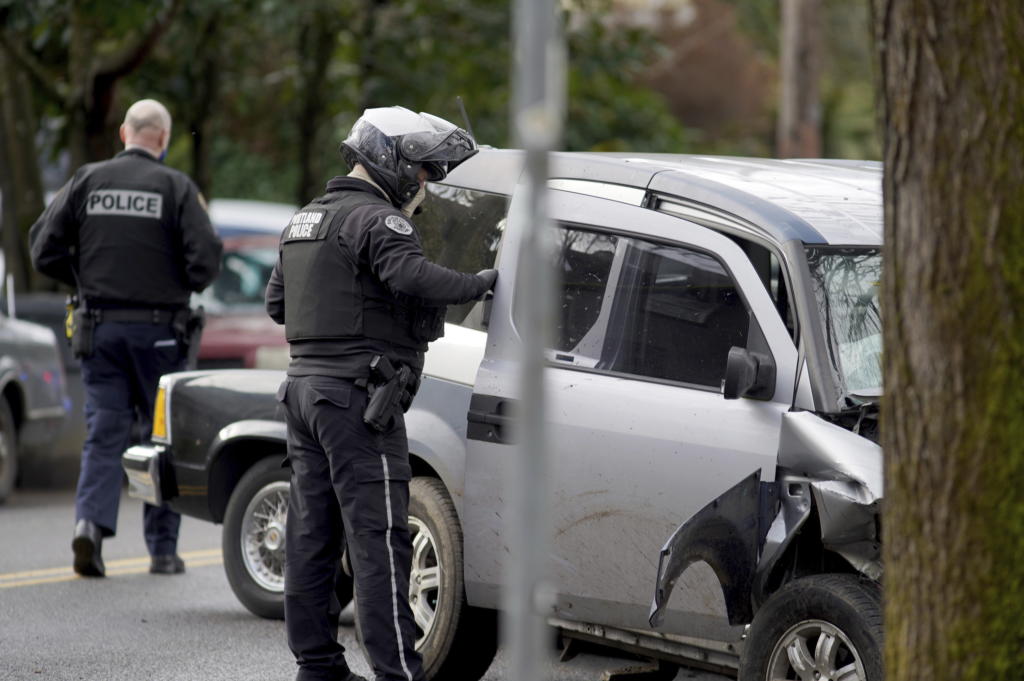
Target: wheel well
[
  {"x": 238, "y": 456},
  {"x": 231, "y": 462},
  {"x": 420, "y": 468},
  {"x": 805, "y": 555},
  {"x": 16, "y": 401}
]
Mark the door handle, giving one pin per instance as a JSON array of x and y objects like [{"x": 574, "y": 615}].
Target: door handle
[{"x": 490, "y": 419}]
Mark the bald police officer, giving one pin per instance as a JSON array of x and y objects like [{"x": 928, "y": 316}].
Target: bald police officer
[
  {"x": 360, "y": 301},
  {"x": 134, "y": 238}
]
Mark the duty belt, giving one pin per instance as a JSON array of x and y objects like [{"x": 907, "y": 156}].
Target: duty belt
[{"x": 151, "y": 316}]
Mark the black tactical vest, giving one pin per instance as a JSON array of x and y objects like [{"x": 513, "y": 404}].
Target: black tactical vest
[{"x": 328, "y": 296}]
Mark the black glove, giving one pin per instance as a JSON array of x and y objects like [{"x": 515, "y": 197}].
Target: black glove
[{"x": 489, "y": 276}]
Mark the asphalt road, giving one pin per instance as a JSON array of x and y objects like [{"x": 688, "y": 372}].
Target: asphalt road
[{"x": 132, "y": 625}]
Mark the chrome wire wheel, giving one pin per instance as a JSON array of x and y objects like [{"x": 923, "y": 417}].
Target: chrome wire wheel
[
  {"x": 814, "y": 650},
  {"x": 424, "y": 578},
  {"x": 262, "y": 536}
]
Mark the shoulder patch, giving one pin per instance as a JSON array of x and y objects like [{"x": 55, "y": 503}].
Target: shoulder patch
[{"x": 398, "y": 224}]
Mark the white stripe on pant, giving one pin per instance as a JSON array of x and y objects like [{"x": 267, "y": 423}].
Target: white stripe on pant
[{"x": 391, "y": 560}]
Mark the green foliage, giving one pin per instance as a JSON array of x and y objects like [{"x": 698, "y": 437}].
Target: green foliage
[
  {"x": 847, "y": 88},
  {"x": 848, "y": 93},
  {"x": 432, "y": 52},
  {"x": 240, "y": 173},
  {"x": 761, "y": 21},
  {"x": 232, "y": 72},
  {"x": 608, "y": 110},
  {"x": 418, "y": 55}
]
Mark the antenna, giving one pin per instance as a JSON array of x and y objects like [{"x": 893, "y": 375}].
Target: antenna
[{"x": 462, "y": 108}]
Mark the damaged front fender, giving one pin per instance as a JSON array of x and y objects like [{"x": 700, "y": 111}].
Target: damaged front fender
[
  {"x": 726, "y": 534},
  {"x": 794, "y": 510},
  {"x": 744, "y": 533}
]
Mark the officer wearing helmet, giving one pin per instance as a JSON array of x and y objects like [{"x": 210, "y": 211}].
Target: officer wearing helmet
[{"x": 360, "y": 301}]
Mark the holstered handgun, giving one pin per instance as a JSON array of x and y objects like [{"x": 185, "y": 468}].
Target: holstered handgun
[
  {"x": 79, "y": 326},
  {"x": 188, "y": 330},
  {"x": 389, "y": 389}
]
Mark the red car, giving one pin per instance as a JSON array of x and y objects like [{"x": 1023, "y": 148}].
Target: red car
[{"x": 237, "y": 327}]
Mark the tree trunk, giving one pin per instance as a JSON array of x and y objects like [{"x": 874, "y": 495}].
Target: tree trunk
[
  {"x": 318, "y": 36},
  {"x": 76, "y": 103},
  {"x": 367, "y": 66},
  {"x": 799, "y": 126},
  {"x": 952, "y": 90},
  {"x": 207, "y": 82},
  {"x": 20, "y": 183}
]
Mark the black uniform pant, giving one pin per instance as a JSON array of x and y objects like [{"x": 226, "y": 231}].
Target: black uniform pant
[
  {"x": 346, "y": 475},
  {"x": 120, "y": 381}
]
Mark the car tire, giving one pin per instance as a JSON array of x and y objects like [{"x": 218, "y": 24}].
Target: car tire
[
  {"x": 456, "y": 640},
  {"x": 253, "y": 540},
  {"x": 824, "y": 623},
  {"x": 8, "y": 451}
]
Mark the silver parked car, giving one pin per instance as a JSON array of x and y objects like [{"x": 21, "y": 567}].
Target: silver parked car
[
  {"x": 33, "y": 397},
  {"x": 713, "y": 412}
]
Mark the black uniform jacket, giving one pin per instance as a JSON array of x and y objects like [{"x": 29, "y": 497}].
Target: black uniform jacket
[
  {"x": 134, "y": 231},
  {"x": 394, "y": 257}
]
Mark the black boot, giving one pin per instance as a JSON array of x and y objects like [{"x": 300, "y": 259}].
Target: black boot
[
  {"x": 87, "y": 545},
  {"x": 166, "y": 564}
]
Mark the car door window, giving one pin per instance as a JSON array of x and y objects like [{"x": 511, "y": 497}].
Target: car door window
[
  {"x": 677, "y": 314},
  {"x": 584, "y": 264},
  {"x": 243, "y": 276},
  {"x": 461, "y": 229},
  {"x": 630, "y": 306}
]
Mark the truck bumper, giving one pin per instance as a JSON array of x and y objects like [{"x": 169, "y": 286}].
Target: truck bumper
[{"x": 142, "y": 464}]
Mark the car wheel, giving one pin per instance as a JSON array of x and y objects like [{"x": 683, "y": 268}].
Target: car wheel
[
  {"x": 8, "y": 451},
  {"x": 820, "y": 627},
  {"x": 253, "y": 540},
  {"x": 457, "y": 641}
]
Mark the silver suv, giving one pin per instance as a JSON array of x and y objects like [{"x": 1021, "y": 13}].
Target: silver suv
[{"x": 713, "y": 410}]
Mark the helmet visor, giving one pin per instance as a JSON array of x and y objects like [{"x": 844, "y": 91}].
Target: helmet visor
[{"x": 440, "y": 149}]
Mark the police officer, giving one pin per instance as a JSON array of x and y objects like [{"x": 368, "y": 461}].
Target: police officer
[
  {"x": 352, "y": 286},
  {"x": 134, "y": 238}
]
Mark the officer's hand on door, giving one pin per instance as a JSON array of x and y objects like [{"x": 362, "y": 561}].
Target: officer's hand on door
[{"x": 489, "y": 276}]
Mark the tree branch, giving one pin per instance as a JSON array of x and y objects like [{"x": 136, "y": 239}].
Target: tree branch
[
  {"x": 46, "y": 81},
  {"x": 131, "y": 56}
]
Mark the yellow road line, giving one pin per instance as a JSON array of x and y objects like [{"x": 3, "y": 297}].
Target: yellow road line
[
  {"x": 205, "y": 553},
  {"x": 124, "y": 566}
]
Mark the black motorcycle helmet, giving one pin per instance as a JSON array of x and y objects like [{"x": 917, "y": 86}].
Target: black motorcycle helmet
[{"x": 393, "y": 143}]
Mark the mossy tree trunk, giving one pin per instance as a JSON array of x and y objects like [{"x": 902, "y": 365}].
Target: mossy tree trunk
[{"x": 952, "y": 95}]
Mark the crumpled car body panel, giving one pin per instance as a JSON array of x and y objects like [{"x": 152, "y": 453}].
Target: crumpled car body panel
[
  {"x": 726, "y": 535},
  {"x": 846, "y": 474},
  {"x": 744, "y": 533}
]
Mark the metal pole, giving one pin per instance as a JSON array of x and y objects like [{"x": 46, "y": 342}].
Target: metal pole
[{"x": 538, "y": 111}]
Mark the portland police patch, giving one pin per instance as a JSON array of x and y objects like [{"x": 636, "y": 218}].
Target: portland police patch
[{"x": 397, "y": 224}]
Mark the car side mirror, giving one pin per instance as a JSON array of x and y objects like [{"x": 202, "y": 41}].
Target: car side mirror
[{"x": 748, "y": 374}]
